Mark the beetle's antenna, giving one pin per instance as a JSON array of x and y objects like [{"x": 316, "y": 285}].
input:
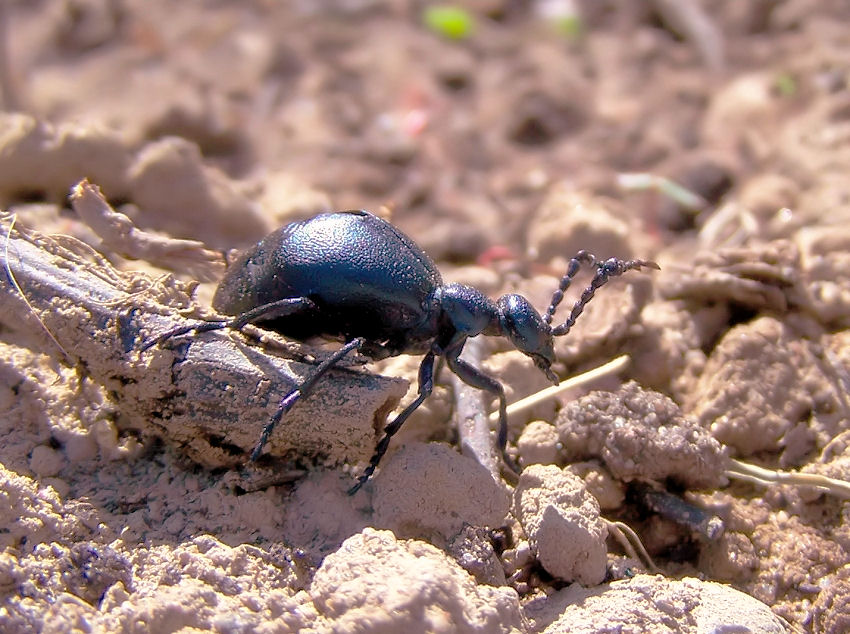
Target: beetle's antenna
[
  {"x": 582, "y": 257},
  {"x": 604, "y": 272}
]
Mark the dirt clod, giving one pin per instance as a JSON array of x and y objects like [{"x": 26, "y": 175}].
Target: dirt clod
[
  {"x": 561, "y": 520},
  {"x": 431, "y": 490},
  {"x": 411, "y": 585},
  {"x": 640, "y": 434}
]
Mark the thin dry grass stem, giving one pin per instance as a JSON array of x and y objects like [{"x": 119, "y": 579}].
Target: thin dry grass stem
[
  {"x": 631, "y": 543},
  {"x": 551, "y": 392},
  {"x": 759, "y": 475},
  {"x": 14, "y": 282},
  {"x": 472, "y": 423},
  {"x": 681, "y": 195},
  {"x": 688, "y": 19}
]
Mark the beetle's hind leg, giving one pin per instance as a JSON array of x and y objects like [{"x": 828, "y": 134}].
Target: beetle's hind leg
[
  {"x": 272, "y": 310},
  {"x": 426, "y": 386}
]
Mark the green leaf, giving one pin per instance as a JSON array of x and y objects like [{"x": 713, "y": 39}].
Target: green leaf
[{"x": 449, "y": 21}]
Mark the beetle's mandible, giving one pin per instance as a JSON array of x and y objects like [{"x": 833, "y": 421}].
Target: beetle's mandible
[{"x": 354, "y": 276}]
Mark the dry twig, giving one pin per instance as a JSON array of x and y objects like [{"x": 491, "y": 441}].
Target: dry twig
[{"x": 210, "y": 399}]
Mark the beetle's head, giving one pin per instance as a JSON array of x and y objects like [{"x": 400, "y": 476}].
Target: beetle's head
[{"x": 525, "y": 328}]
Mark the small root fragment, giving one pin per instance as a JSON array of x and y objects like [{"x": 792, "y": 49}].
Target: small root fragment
[
  {"x": 766, "y": 477},
  {"x": 120, "y": 234},
  {"x": 630, "y": 542}
]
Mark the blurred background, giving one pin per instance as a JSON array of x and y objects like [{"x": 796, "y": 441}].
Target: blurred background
[{"x": 463, "y": 120}]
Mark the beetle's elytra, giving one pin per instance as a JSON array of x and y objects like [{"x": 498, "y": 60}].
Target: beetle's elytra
[{"x": 354, "y": 276}]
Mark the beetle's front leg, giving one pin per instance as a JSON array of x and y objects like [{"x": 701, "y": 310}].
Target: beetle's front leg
[{"x": 471, "y": 375}]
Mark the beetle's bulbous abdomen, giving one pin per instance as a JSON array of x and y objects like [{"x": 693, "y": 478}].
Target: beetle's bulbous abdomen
[
  {"x": 238, "y": 291},
  {"x": 365, "y": 277}
]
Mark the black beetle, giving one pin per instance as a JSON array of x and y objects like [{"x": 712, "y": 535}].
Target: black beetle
[{"x": 354, "y": 276}]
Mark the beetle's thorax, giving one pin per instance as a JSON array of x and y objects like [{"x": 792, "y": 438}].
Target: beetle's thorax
[
  {"x": 468, "y": 310},
  {"x": 472, "y": 313}
]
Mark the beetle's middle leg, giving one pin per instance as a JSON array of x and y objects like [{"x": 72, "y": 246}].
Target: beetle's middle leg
[
  {"x": 288, "y": 401},
  {"x": 426, "y": 386}
]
